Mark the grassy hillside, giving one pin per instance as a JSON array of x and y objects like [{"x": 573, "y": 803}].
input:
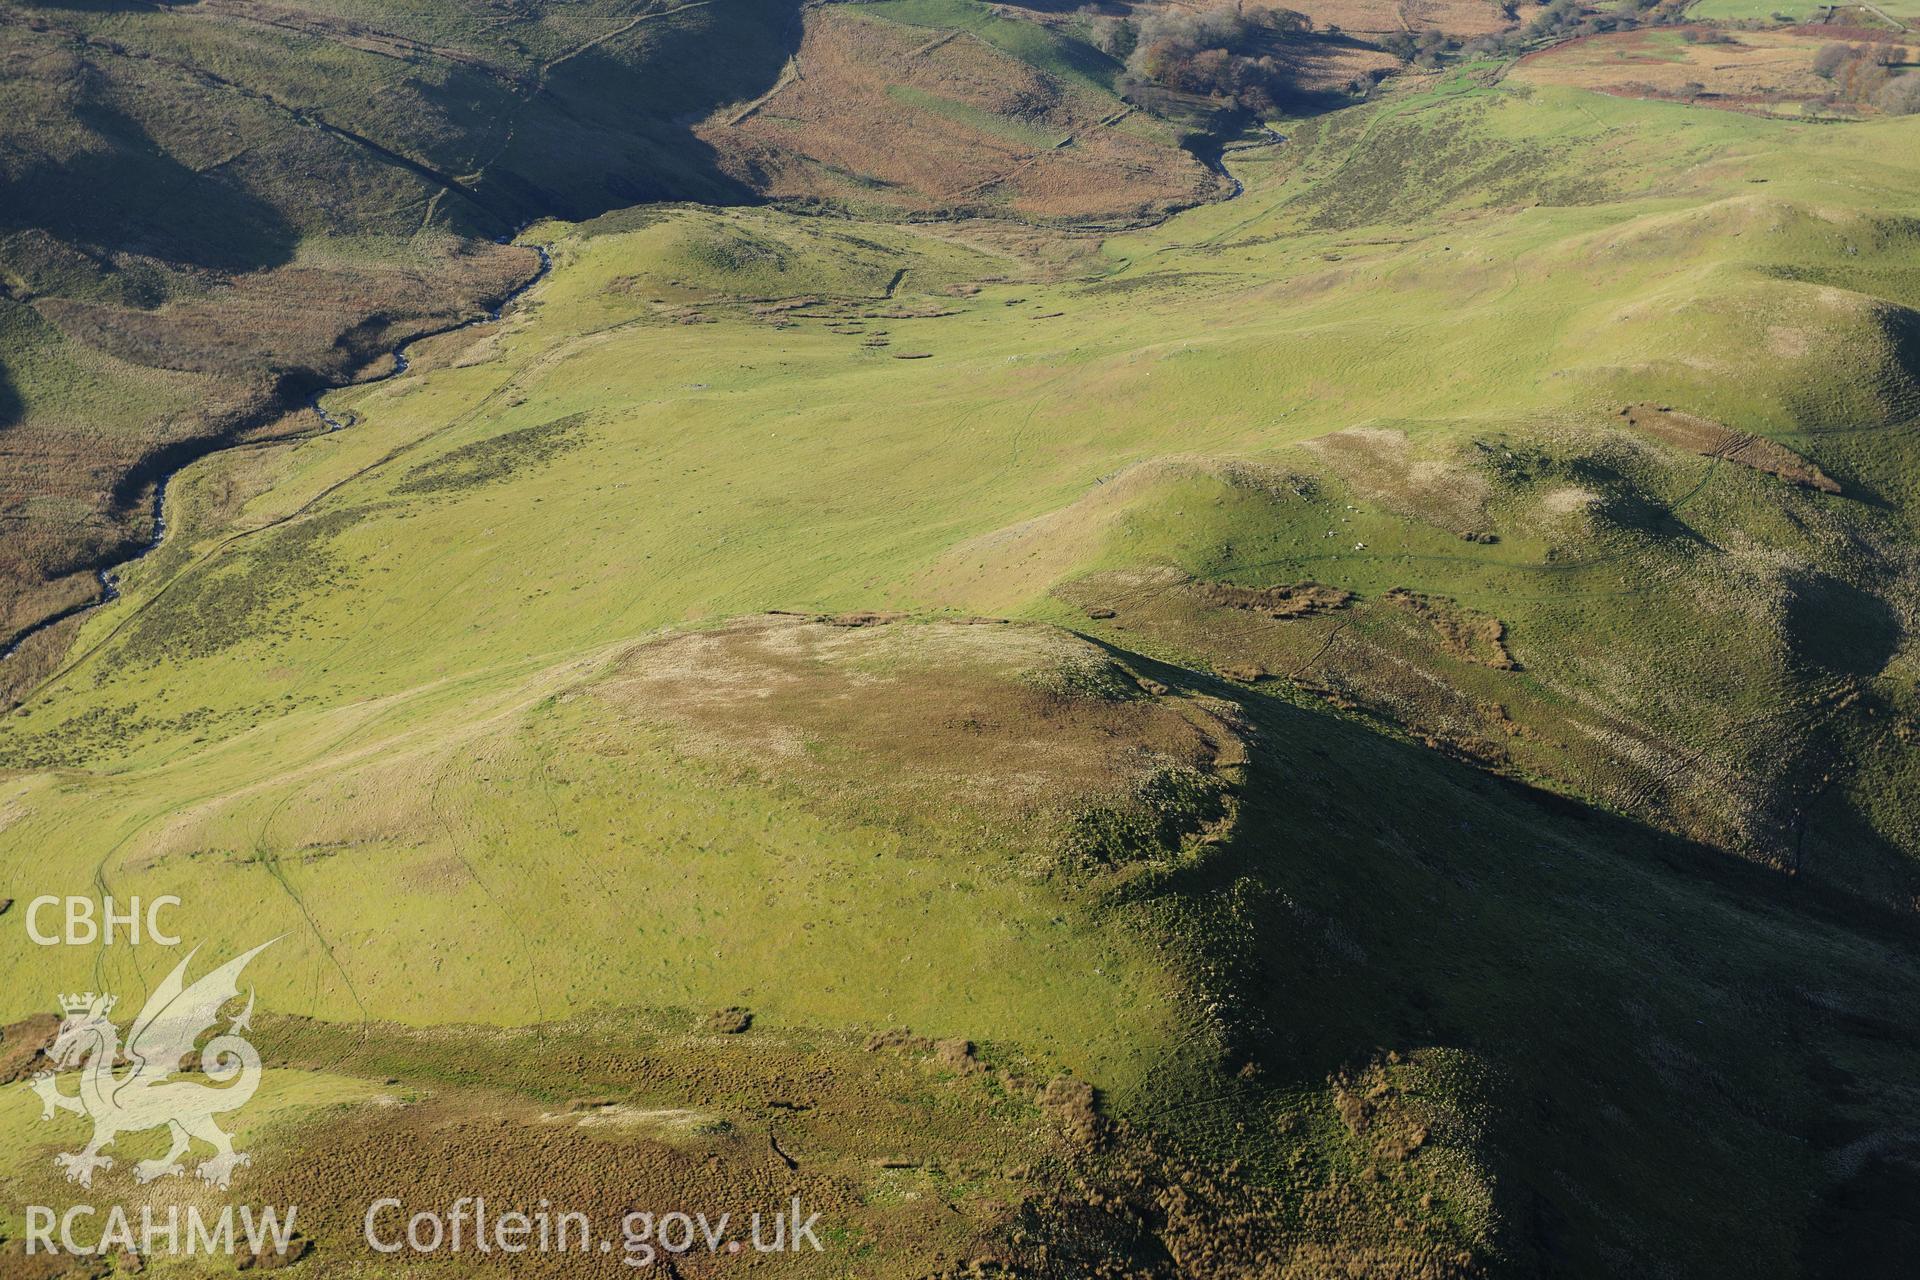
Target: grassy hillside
[
  {"x": 209, "y": 210},
  {"x": 1401, "y": 681}
]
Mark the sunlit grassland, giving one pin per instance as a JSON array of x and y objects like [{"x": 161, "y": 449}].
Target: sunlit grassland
[{"x": 345, "y": 639}]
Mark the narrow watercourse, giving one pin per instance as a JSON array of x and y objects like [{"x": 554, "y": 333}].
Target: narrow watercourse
[{"x": 108, "y": 575}]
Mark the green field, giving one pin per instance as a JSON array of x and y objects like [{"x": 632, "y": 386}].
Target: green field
[
  {"x": 1581, "y": 841},
  {"x": 1752, "y": 10}
]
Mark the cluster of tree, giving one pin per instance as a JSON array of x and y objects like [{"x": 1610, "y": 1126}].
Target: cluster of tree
[
  {"x": 1423, "y": 50},
  {"x": 1565, "y": 19},
  {"x": 1233, "y": 51},
  {"x": 1115, "y": 37},
  {"x": 1900, "y": 96},
  {"x": 1236, "y": 50},
  {"x": 1872, "y": 74}
]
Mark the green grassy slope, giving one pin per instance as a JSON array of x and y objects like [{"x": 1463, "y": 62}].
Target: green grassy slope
[
  {"x": 1048, "y": 50},
  {"x": 1753, "y": 10},
  {"x": 379, "y": 689},
  {"x": 207, "y": 210}
]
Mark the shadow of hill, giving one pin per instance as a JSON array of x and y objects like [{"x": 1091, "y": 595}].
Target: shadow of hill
[
  {"x": 1835, "y": 626},
  {"x": 596, "y": 127},
  {"x": 1680, "y": 1045},
  {"x": 10, "y": 404},
  {"x": 129, "y": 194},
  {"x": 610, "y": 126}
]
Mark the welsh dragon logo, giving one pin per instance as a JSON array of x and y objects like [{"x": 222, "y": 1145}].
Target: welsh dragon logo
[{"x": 144, "y": 1095}]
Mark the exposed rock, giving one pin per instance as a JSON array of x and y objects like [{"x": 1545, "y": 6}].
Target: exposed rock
[
  {"x": 23, "y": 1046},
  {"x": 1710, "y": 439},
  {"x": 730, "y": 1021}
]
